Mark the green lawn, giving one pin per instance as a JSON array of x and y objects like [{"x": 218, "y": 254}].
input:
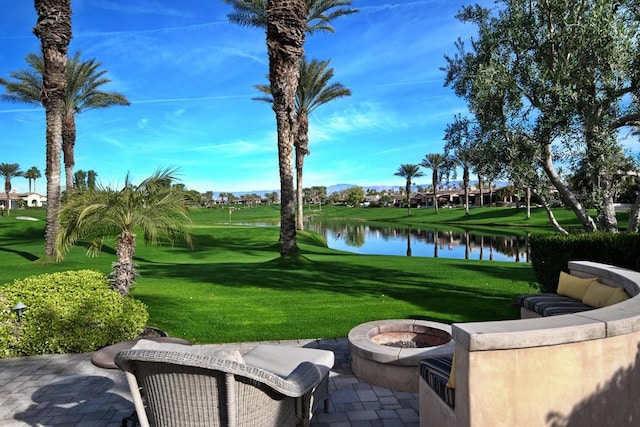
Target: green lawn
[{"x": 233, "y": 285}]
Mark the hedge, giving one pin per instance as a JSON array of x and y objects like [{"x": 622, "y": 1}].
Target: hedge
[
  {"x": 551, "y": 253},
  {"x": 67, "y": 312}
]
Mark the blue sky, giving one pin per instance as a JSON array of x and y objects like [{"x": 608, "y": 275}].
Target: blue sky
[{"x": 189, "y": 75}]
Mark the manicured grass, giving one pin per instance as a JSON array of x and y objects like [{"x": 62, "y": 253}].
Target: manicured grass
[{"x": 234, "y": 286}]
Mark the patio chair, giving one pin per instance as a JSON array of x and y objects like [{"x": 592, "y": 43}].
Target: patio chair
[{"x": 187, "y": 388}]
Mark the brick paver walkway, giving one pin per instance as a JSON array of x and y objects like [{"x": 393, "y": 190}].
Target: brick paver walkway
[{"x": 67, "y": 390}]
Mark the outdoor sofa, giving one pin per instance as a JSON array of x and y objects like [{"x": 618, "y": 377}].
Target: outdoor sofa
[{"x": 577, "y": 368}]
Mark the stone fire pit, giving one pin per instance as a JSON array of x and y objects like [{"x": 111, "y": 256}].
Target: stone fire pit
[{"x": 386, "y": 352}]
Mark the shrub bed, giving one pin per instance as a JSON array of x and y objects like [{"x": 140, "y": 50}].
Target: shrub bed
[
  {"x": 550, "y": 253},
  {"x": 67, "y": 312}
]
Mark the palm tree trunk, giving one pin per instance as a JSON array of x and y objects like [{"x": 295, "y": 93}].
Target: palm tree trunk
[
  {"x": 435, "y": 190},
  {"x": 302, "y": 149},
  {"x": 53, "y": 28},
  {"x": 68, "y": 146},
  {"x": 286, "y": 27},
  {"x": 124, "y": 274}
]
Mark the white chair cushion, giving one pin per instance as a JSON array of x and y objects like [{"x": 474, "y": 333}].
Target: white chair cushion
[
  {"x": 224, "y": 354},
  {"x": 282, "y": 360}
]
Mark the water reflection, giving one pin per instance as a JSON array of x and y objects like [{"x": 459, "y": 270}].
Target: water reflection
[{"x": 373, "y": 240}]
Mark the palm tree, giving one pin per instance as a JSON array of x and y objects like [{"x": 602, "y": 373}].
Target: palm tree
[
  {"x": 83, "y": 94},
  {"x": 53, "y": 28},
  {"x": 9, "y": 170},
  {"x": 409, "y": 172},
  {"x": 153, "y": 206},
  {"x": 320, "y": 13},
  {"x": 286, "y": 22},
  {"x": 32, "y": 173},
  {"x": 313, "y": 91},
  {"x": 434, "y": 161},
  {"x": 91, "y": 179}
]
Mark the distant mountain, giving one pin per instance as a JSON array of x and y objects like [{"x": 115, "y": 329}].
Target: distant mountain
[{"x": 336, "y": 188}]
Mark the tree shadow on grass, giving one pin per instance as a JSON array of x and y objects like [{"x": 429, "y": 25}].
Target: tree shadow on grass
[{"x": 365, "y": 281}]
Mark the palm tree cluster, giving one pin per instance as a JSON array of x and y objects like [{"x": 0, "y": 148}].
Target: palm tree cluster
[
  {"x": 64, "y": 87},
  {"x": 8, "y": 171},
  {"x": 296, "y": 86},
  {"x": 84, "y": 81},
  {"x": 434, "y": 161}
]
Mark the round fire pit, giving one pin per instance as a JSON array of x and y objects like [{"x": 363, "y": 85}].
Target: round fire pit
[{"x": 386, "y": 352}]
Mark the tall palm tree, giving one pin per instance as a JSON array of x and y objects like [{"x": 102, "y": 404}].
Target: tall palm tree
[
  {"x": 84, "y": 81},
  {"x": 53, "y": 28},
  {"x": 9, "y": 170},
  {"x": 313, "y": 91},
  {"x": 154, "y": 206},
  {"x": 409, "y": 172},
  {"x": 32, "y": 173},
  {"x": 286, "y": 22},
  {"x": 434, "y": 161},
  {"x": 320, "y": 13}
]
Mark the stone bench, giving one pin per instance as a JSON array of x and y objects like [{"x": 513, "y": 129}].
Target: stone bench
[{"x": 572, "y": 369}]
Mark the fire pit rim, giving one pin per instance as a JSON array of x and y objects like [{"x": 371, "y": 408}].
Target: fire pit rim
[{"x": 361, "y": 344}]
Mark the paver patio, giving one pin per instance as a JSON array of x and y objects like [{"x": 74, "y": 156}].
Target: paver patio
[{"x": 68, "y": 390}]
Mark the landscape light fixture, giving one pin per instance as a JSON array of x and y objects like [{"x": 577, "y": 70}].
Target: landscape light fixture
[{"x": 19, "y": 308}]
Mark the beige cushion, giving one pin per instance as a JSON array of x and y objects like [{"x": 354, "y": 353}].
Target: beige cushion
[
  {"x": 282, "y": 360},
  {"x": 618, "y": 295},
  {"x": 598, "y": 294},
  {"x": 200, "y": 350},
  {"x": 572, "y": 286}
]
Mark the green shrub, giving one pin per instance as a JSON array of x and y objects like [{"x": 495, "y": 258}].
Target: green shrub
[
  {"x": 67, "y": 312},
  {"x": 550, "y": 253}
]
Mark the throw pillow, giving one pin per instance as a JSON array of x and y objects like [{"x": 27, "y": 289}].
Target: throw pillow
[
  {"x": 573, "y": 286},
  {"x": 617, "y": 296},
  {"x": 598, "y": 294}
]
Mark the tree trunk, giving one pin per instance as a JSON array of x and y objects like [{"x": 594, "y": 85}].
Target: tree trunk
[
  {"x": 53, "y": 28},
  {"x": 302, "y": 149},
  {"x": 552, "y": 219},
  {"x": 567, "y": 195},
  {"x": 408, "y": 199},
  {"x": 465, "y": 183},
  {"x": 528, "y": 192},
  {"x": 68, "y": 146},
  {"x": 481, "y": 190},
  {"x": 435, "y": 190},
  {"x": 634, "y": 215},
  {"x": 286, "y": 27},
  {"x": 123, "y": 275}
]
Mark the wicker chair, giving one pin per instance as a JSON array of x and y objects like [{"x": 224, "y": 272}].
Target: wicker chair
[{"x": 184, "y": 389}]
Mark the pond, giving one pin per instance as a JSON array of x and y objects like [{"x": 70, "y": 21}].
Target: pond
[{"x": 422, "y": 242}]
